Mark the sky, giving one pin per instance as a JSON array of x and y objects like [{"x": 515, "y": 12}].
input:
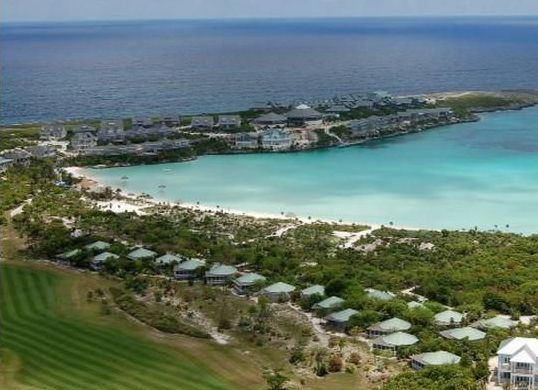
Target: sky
[{"x": 75, "y": 10}]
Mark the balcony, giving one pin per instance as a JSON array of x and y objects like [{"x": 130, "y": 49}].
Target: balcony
[{"x": 522, "y": 371}]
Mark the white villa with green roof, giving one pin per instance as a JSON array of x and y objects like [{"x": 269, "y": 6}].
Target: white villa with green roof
[
  {"x": 497, "y": 322},
  {"x": 98, "y": 260},
  {"x": 168, "y": 258},
  {"x": 448, "y": 318},
  {"x": 338, "y": 320},
  {"x": 141, "y": 254},
  {"x": 387, "y": 327},
  {"x": 278, "y": 291},
  {"x": 467, "y": 333},
  {"x": 312, "y": 290},
  {"x": 394, "y": 341},
  {"x": 329, "y": 303},
  {"x": 438, "y": 358},
  {"x": 246, "y": 281},
  {"x": 517, "y": 362},
  {"x": 220, "y": 274},
  {"x": 97, "y": 246},
  {"x": 188, "y": 269},
  {"x": 372, "y": 293}
]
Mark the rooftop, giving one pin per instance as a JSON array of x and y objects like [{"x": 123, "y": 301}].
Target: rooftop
[
  {"x": 329, "y": 302},
  {"x": 141, "y": 253},
  {"x": 381, "y": 295},
  {"x": 392, "y": 325},
  {"x": 398, "y": 339},
  {"x": 341, "y": 316},
  {"x": 315, "y": 289},
  {"x": 101, "y": 257},
  {"x": 495, "y": 322},
  {"x": 97, "y": 245},
  {"x": 279, "y": 287},
  {"x": 168, "y": 258},
  {"x": 469, "y": 333},
  {"x": 250, "y": 278},
  {"x": 513, "y": 345},
  {"x": 448, "y": 317},
  {"x": 190, "y": 265},
  {"x": 221, "y": 270},
  {"x": 437, "y": 358}
]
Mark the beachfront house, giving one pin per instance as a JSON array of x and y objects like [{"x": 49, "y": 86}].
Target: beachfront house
[
  {"x": 387, "y": 327},
  {"x": 278, "y": 292},
  {"x": 276, "y": 139},
  {"x": 372, "y": 293},
  {"x": 392, "y": 342},
  {"x": 168, "y": 258},
  {"x": 52, "y": 132},
  {"x": 497, "y": 322},
  {"x": 448, "y": 318},
  {"x": 271, "y": 119},
  {"x": 437, "y": 358},
  {"x": 83, "y": 141},
  {"x": 202, "y": 123},
  {"x": 5, "y": 163},
  {"x": 229, "y": 122},
  {"x": 329, "y": 303},
  {"x": 17, "y": 156},
  {"x": 303, "y": 115},
  {"x": 466, "y": 333},
  {"x": 188, "y": 269},
  {"x": 111, "y": 130},
  {"x": 246, "y": 141},
  {"x": 313, "y": 290},
  {"x": 220, "y": 274},
  {"x": 247, "y": 281},
  {"x": 97, "y": 246},
  {"x": 141, "y": 254},
  {"x": 517, "y": 362},
  {"x": 98, "y": 260},
  {"x": 338, "y": 320}
]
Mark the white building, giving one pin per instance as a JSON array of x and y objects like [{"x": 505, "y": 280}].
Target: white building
[
  {"x": 518, "y": 362},
  {"x": 276, "y": 139}
]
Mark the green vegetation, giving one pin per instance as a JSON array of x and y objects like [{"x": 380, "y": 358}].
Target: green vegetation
[
  {"x": 62, "y": 343},
  {"x": 18, "y": 136},
  {"x": 434, "y": 378},
  {"x": 465, "y": 104}
]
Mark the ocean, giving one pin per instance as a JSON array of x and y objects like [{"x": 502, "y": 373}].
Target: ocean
[
  {"x": 119, "y": 69},
  {"x": 482, "y": 174}
]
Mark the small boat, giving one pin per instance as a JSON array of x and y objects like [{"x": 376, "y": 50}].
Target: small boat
[{"x": 124, "y": 178}]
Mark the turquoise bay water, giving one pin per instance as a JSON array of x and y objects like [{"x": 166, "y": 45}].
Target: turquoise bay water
[{"x": 461, "y": 176}]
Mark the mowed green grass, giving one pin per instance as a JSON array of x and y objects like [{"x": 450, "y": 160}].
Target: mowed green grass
[{"x": 56, "y": 348}]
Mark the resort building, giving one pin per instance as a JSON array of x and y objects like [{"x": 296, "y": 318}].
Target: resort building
[
  {"x": 84, "y": 128},
  {"x": 448, "y": 318},
  {"x": 247, "y": 281},
  {"x": 394, "y": 341},
  {"x": 97, "y": 246},
  {"x": 5, "y": 163},
  {"x": 497, "y": 322},
  {"x": 304, "y": 115},
  {"x": 312, "y": 290},
  {"x": 387, "y": 327},
  {"x": 468, "y": 333},
  {"x": 372, "y": 293},
  {"x": 168, "y": 258},
  {"x": 83, "y": 141},
  {"x": 52, "y": 132},
  {"x": 98, "y": 260},
  {"x": 271, "y": 120},
  {"x": 111, "y": 130},
  {"x": 229, "y": 122},
  {"x": 202, "y": 123},
  {"x": 276, "y": 139},
  {"x": 246, "y": 141},
  {"x": 338, "y": 320},
  {"x": 17, "y": 156},
  {"x": 220, "y": 274},
  {"x": 142, "y": 122},
  {"x": 278, "y": 292},
  {"x": 188, "y": 269},
  {"x": 329, "y": 303},
  {"x": 518, "y": 362},
  {"x": 157, "y": 131},
  {"x": 42, "y": 151},
  {"x": 438, "y": 358},
  {"x": 171, "y": 121},
  {"x": 141, "y": 254}
]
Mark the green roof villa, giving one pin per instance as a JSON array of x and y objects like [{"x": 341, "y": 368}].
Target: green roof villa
[
  {"x": 387, "y": 327},
  {"x": 246, "y": 281},
  {"x": 394, "y": 341},
  {"x": 98, "y": 260},
  {"x": 312, "y": 290},
  {"x": 220, "y": 274},
  {"x": 278, "y": 291},
  {"x": 448, "y": 318},
  {"x": 97, "y": 246},
  {"x": 497, "y": 322},
  {"x": 188, "y": 269},
  {"x": 468, "y": 333},
  {"x": 329, "y": 303},
  {"x": 372, "y": 293},
  {"x": 141, "y": 254},
  {"x": 339, "y": 319},
  {"x": 438, "y": 358},
  {"x": 168, "y": 258}
]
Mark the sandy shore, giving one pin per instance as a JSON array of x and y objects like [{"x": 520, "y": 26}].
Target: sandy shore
[{"x": 133, "y": 203}]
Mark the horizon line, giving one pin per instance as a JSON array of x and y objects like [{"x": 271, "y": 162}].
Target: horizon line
[{"x": 432, "y": 16}]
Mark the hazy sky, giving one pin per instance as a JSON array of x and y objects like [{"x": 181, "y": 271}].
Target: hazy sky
[{"x": 52, "y": 10}]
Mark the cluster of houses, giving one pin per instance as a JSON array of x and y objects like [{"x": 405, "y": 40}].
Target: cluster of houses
[{"x": 23, "y": 156}]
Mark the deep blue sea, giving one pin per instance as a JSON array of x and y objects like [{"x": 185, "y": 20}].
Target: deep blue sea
[{"x": 91, "y": 69}]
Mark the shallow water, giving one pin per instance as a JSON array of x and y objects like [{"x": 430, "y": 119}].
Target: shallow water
[{"x": 461, "y": 176}]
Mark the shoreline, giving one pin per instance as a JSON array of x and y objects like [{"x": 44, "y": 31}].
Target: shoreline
[{"x": 91, "y": 183}]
